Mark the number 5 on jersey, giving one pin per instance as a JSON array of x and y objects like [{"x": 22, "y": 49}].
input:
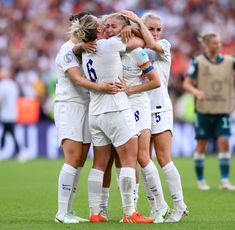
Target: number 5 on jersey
[{"x": 91, "y": 71}]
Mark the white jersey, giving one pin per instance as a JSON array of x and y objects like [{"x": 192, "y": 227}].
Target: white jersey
[
  {"x": 135, "y": 63},
  {"x": 160, "y": 100},
  {"x": 66, "y": 89},
  {"x": 105, "y": 66}
]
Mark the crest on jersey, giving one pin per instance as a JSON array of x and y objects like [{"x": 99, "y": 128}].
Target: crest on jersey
[
  {"x": 68, "y": 57},
  {"x": 143, "y": 55}
]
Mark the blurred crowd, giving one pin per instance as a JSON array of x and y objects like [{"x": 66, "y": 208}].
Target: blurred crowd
[{"x": 31, "y": 32}]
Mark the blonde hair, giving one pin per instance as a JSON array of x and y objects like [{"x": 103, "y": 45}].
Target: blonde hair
[
  {"x": 84, "y": 29},
  {"x": 125, "y": 21},
  {"x": 150, "y": 15},
  {"x": 205, "y": 38}
]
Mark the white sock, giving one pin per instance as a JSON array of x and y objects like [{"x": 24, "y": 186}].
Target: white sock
[
  {"x": 174, "y": 183},
  {"x": 104, "y": 198},
  {"x": 150, "y": 196},
  {"x": 95, "y": 182},
  {"x": 75, "y": 185},
  {"x": 118, "y": 170},
  {"x": 154, "y": 184},
  {"x": 136, "y": 195},
  {"x": 65, "y": 188},
  {"x": 126, "y": 186}
]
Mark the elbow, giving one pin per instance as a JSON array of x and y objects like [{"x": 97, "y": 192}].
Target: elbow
[
  {"x": 185, "y": 85},
  {"x": 157, "y": 84}
]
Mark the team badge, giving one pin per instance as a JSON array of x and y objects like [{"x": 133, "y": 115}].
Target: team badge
[
  {"x": 143, "y": 55},
  {"x": 68, "y": 57}
]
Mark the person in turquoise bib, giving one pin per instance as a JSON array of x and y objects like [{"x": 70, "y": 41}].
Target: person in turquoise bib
[{"x": 211, "y": 80}]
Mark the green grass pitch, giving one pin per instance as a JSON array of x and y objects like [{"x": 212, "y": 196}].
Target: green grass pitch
[{"x": 28, "y": 198}]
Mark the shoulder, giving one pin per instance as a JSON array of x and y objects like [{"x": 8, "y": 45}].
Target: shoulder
[
  {"x": 66, "y": 55},
  {"x": 140, "y": 55},
  {"x": 139, "y": 52},
  {"x": 165, "y": 43}
]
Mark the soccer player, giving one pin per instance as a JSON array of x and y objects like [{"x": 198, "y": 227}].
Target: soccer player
[
  {"x": 211, "y": 80},
  {"x": 136, "y": 67},
  {"x": 162, "y": 113},
  {"x": 71, "y": 120},
  {"x": 110, "y": 119}
]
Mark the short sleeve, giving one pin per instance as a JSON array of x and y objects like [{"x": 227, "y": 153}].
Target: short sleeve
[
  {"x": 142, "y": 60},
  {"x": 68, "y": 59}
]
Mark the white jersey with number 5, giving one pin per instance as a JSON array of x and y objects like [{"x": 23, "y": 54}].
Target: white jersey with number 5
[
  {"x": 66, "y": 90},
  {"x": 160, "y": 100},
  {"x": 105, "y": 66}
]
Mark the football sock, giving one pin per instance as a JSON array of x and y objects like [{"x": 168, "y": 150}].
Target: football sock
[
  {"x": 95, "y": 182},
  {"x": 65, "y": 188},
  {"x": 150, "y": 172},
  {"x": 174, "y": 183},
  {"x": 136, "y": 195},
  {"x": 126, "y": 186},
  {"x": 224, "y": 163},
  {"x": 104, "y": 198},
  {"x": 199, "y": 162},
  {"x": 74, "y": 189},
  {"x": 150, "y": 196}
]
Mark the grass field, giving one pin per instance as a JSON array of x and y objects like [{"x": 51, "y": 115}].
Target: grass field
[{"x": 28, "y": 198}]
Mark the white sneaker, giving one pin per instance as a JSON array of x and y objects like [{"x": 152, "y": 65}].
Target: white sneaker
[
  {"x": 80, "y": 218},
  {"x": 157, "y": 217},
  {"x": 226, "y": 185},
  {"x": 160, "y": 214},
  {"x": 202, "y": 185},
  {"x": 177, "y": 214},
  {"x": 69, "y": 218}
]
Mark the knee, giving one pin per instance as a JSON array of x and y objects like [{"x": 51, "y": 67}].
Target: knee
[
  {"x": 143, "y": 159},
  {"x": 163, "y": 159}
]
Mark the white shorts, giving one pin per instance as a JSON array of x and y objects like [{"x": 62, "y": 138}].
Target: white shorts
[
  {"x": 71, "y": 121},
  {"x": 113, "y": 127},
  {"x": 162, "y": 121},
  {"x": 142, "y": 115}
]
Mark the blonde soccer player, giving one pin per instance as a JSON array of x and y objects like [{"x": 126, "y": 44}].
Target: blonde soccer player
[
  {"x": 110, "y": 119},
  {"x": 71, "y": 120},
  {"x": 162, "y": 113}
]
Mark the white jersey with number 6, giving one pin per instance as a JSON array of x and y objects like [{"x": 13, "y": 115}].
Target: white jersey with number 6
[{"x": 105, "y": 65}]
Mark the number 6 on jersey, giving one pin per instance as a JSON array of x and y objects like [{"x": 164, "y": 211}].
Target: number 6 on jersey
[{"x": 91, "y": 71}]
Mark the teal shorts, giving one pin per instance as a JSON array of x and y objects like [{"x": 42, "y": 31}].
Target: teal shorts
[{"x": 209, "y": 126}]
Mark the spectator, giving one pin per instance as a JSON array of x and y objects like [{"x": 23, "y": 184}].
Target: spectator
[{"x": 9, "y": 93}]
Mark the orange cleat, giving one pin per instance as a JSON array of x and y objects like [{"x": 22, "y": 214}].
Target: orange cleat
[
  {"x": 98, "y": 218},
  {"x": 137, "y": 218}
]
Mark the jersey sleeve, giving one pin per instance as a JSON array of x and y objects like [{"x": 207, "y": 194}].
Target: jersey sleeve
[
  {"x": 142, "y": 60},
  {"x": 68, "y": 60},
  {"x": 115, "y": 44},
  {"x": 193, "y": 69},
  {"x": 166, "y": 46}
]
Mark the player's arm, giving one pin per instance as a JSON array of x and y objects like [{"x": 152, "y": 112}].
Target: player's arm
[
  {"x": 90, "y": 47},
  {"x": 75, "y": 75},
  {"x": 152, "y": 83},
  {"x": 189, "y": 85},
  {"x": 135, "y": 42},
  {"x": 128, "y": 32},
  {"x": 147, "y": 36}
]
